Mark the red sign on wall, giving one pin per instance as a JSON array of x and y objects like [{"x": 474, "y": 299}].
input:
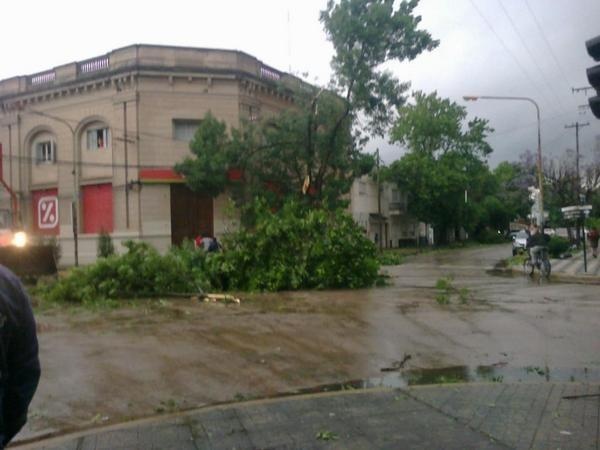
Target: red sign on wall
[{"x": 45, "y": 212}]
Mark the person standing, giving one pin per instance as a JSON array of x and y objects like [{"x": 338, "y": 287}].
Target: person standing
[
  {"x": 593, "y": 236},
  {"x": 19, "y": 361}
]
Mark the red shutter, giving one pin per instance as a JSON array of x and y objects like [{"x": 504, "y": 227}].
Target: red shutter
[
  {"x": 97, "y": 208},
  {"x": 45, "y": 212}
]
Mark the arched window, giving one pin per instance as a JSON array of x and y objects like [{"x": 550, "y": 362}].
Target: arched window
[
  {"x": 97, "y": 137},
  {"x": 44, "y": 148}
]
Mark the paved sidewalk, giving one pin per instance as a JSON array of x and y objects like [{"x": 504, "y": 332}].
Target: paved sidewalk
[
  {"x": 461, "y": 416},
  {"x": 575, "y": 265}
]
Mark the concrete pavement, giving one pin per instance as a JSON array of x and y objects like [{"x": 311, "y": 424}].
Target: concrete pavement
[
  {"x": 450, "y": 416},
  {"x": 574, "y": 266}
]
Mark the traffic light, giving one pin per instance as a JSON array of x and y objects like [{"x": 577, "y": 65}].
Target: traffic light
[{"x": 593, "y": 74}]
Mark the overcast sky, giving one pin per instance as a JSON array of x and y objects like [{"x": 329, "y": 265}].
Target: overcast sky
[{"x": 533, "y": 48}]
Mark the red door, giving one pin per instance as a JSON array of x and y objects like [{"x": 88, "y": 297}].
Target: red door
[
  {"x": 45, "y": 212},
  {"x": 97, "y": 208}
]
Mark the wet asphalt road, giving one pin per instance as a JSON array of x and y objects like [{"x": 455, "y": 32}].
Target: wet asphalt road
[
  {"x": 103, "y": 367},
  {"x": 510, "y": 320}
]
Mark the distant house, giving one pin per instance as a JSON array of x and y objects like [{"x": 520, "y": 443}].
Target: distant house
[{"x": 384, "y": 216}]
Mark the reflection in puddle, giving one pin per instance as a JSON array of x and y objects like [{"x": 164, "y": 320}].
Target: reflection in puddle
[
  {"x": 461, "y": 374},
  {"x": 527, "y": 279}
]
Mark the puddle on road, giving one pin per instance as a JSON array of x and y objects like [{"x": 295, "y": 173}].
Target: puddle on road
[
  {"x": 461, "y": 374},
  {"x": 522, "y": 279}
]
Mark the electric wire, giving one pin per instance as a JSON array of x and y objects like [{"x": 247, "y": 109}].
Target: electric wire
[
  {"x": 528, "y": 124},
  {"x": 545, "y": 39},
  {"x": 510, "y": 53},
  {"x": 529, "y": 52},
  {"x": 63, "y": 162}
]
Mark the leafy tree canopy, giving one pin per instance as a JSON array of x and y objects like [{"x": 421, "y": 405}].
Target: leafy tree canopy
[
  {"x": 444, "y": 171},
  {"x": 435, "y": 126},
  {"x": 365, "y": 34},
  {"x": 312, "y": 150}
]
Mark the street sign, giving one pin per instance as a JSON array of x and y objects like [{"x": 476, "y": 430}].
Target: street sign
[
  {"x": 47, "y": 212},
  {"x": 574, "y": 212}
]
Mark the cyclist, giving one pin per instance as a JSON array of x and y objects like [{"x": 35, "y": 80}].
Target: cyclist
[{"x": 536, "y": 242}]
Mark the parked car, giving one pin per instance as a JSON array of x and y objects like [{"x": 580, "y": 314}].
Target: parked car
[{"x": 519, "y": 243}]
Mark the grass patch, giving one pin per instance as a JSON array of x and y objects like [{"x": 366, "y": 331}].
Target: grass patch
[
  {"x": 325, "y": 435},
  {"x": 446, "y": 291},
  {"x": 517, "y": 260}
]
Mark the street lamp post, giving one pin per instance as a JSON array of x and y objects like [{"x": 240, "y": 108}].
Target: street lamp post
[
  {"x": 75, "y": 204},
  {"x": 539, "y": 139}
]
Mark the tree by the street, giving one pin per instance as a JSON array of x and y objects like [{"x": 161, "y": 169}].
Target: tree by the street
[
  {"x": 445, "y": 158},
  {"x": 365, "y": 34},
  {"x": 513, "y": 181},
  {"x": 313, "y": 150}
]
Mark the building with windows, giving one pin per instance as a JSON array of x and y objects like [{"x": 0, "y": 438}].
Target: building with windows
[
  {"x": 383, "y": 215},
  {"x": 91, "y": 145}
]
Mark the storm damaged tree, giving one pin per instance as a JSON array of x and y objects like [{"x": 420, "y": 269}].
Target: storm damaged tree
[
  {"x": 312, "y": 151},
  {"x": 444, "y": 171}
]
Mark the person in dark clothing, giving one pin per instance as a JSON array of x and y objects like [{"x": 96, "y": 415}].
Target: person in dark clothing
[
  {"x": 536, "y": 242},
  {"x": 593, "y": 237},
  {"x": 214, "y": 245},
  {"x": 19, "y": 363}
]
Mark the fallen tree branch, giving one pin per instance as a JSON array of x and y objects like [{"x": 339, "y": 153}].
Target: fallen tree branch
[{"x": 575, "y": 397}]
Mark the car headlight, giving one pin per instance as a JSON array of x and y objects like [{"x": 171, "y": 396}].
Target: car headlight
[{"x": 19, "y": 239}]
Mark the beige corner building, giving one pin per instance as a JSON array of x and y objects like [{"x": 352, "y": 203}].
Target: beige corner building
[{"x": 91, "y": 145}]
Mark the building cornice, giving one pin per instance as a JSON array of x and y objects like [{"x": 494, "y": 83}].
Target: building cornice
[{"x": 142, "y": 61}]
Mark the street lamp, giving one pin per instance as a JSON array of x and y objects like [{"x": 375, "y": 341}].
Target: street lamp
[
  {"x": 75, "y": 204},
  {"x": 539, "y": 149}
]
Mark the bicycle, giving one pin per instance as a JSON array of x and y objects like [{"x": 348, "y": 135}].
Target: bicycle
[{"x": 542, "y": 264}]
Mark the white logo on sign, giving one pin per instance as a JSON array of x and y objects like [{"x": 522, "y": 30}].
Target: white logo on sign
[{"x": 47, "y": 212}]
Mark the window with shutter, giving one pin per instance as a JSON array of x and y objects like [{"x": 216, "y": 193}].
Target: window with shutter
[
  {"x": 97, "y": 138},
  {"x": 45, "y": 152}
]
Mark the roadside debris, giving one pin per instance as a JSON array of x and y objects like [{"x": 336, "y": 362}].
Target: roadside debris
[
  {"x": 98, "y": 419},
  {"x": 575, "y": 397},
  {"x": 397, "y": 365},
  {"x": 212, "y": 298}
]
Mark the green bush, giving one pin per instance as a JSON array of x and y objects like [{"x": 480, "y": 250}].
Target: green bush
[
  {"x": 557, "y": 245},
  {"x": 390, "y": 258},
  {"x": 295, "y": 248},
  {"x": 487, "y": 236},
  {"x": 105, "y": 245},
  {"x": 140, "y": 272}
]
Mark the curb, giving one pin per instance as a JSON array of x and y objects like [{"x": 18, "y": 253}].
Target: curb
[{"x": 555, "y": 276}]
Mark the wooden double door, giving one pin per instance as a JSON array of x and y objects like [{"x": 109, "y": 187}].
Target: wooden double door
[{"x": 191, "y": 214}]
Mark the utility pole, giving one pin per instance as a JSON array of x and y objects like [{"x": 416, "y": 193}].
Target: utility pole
[
  {"x": 379, "y": 204},
  {"x": 580, "y": 224},
  {"x": 577, "y": 126}
]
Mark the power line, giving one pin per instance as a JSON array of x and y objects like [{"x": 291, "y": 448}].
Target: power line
[
  {"x": 533, "y": 59},
  {"x": 31, "y": 159},
  {"x": 69, "y": 195},
  {"x": 529, "y": 124},
  {"x": 113, "y": 128},
  {"x": 507, "y": 49},
  {"x": 539, "y": 27}
]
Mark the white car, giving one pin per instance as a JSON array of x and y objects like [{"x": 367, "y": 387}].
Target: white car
[{"x": 519, "y": 242}]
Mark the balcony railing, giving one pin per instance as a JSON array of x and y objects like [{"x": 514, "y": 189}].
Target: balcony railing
[
  {"x": 42, "y": 78},
  {"x": 269, "y": 74},
  {"x": 93, "y": 65}
]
